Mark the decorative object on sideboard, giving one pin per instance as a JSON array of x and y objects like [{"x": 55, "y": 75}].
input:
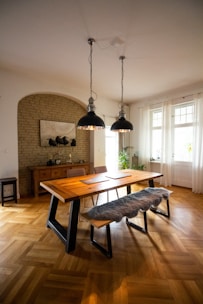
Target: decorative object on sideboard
[
  {"x": 56, "y": 134},
  {"x": 70, "y": 159},
  {"x": 57, "y": 161}
]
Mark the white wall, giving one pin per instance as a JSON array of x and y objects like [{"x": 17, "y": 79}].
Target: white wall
[{"x": 13, "y": 87}]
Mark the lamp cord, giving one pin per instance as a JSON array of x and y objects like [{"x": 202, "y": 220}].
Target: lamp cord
[
  {"x": 122, "y": 77},
  {"x": 90, "y": 61},
  {"x": 122, "y": 82}
]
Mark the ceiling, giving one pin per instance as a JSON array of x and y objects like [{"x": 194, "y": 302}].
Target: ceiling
[{"x": 162, "y": 41}]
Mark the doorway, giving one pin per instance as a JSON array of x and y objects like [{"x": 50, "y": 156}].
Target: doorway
[{"x": 111, "y": 149}]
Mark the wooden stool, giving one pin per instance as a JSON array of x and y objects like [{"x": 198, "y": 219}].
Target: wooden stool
[{"x": 8, "y": 181}]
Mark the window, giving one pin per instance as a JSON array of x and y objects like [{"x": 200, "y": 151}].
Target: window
[
  {"x": 183, "y": 132},
  {"x": 156, "y": 133}
]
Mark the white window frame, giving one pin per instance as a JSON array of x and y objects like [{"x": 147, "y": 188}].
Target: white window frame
[
  {"x": 182, "y": 125},
  {"x": 153, "y": 128}
]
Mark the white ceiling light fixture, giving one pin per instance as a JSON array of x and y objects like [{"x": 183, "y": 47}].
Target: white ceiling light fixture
[
  {"x": 116, "y": 42},
  {"x": 122, "y": 125},
  {"x": 91, "y": 121}
]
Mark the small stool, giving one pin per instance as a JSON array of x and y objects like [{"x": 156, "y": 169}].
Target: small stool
[{"x": 8, "y": 181}]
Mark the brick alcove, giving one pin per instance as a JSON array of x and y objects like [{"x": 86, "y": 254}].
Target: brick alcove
[{"x": 31, "y": 110}]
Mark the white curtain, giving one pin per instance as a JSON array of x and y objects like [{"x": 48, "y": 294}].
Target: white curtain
[
  {"x": 144, "y": 137},
  {"x": 166, "y": 151},
  {"x": 197, "y": 164},
  {"x": 145, "y": 141}
]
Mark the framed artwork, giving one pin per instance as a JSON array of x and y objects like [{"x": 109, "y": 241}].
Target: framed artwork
[{"x": 55, "y": 134}]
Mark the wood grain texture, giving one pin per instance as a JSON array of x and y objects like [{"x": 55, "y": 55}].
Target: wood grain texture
[
  {"x": 163, "y": 266},
  {"x": 68, "y": 189}
]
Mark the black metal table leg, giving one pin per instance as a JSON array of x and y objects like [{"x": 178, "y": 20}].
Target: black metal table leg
[
  {"x": 73, "y": 224},
  {"x": 151, "y": 183},
  {"x": 52, "y": 223},
  {"x": 52, "y": 209},
  {"x": 128, "y": 189},
  {"x": 68, "y": 236}
]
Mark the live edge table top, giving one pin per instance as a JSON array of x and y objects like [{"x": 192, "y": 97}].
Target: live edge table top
[{"x": 68, "y": 189}]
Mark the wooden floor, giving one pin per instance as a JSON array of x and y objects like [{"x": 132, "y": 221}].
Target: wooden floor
[{"x": 165, "y": 266}]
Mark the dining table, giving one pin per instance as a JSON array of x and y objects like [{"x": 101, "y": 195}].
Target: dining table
[{"x": 72, "y": 189}]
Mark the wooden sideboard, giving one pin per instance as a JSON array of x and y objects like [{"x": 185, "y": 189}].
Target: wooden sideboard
[{"x": 43, "y": 173}]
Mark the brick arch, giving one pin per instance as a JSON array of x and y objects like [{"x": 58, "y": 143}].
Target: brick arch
[{"x": 33, "y": 108}]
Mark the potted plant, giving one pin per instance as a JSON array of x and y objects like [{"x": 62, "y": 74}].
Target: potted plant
[
  {"x": 124, "y": 162},
  {"x": 139, "y": 167}
]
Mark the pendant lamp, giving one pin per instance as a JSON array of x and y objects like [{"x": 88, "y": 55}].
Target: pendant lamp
[
  {"x": 122, "y": 125},
  {"x": 90, "y": 121}
]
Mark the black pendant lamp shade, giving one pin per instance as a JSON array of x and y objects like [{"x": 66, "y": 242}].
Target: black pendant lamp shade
[
  {"x": 90, "y": 121},
  {"x": 122, "y": 125}
]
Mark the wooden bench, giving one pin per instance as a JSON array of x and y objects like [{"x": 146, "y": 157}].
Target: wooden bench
[{"x": 138, "y": 199}]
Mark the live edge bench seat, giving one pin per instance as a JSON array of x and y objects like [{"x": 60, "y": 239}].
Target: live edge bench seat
[{"x": 127, "y": 206}]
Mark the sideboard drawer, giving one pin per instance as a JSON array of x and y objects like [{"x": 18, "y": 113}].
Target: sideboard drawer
[
  {"x": 44, "y": 174},
  {"x": 58, "y": 173}
]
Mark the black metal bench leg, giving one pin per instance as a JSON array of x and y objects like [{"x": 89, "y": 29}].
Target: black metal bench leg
[
  {"x": 168, "y": 208},
  {"x": 160, "y": 211},
  {"x": 133, "y": 225},
  {"x": 107, "y": 252}
]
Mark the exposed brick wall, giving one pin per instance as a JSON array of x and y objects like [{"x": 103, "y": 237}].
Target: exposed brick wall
[{"x": 31, "y": 110}]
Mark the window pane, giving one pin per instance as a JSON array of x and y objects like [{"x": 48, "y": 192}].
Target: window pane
[
  {"x": 189, "y": 109},
  {"x": 184, "y": 114},
  {"x": 156, "y": 144},
  {"x": 183, "y": 144},
  {"x": 156, "y": 119}
]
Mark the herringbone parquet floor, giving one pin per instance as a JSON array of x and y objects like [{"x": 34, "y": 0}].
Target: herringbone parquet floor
[{"x": 165, "y": 266}]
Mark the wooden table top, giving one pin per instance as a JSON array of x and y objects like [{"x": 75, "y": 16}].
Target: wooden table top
[{"x": 68, "y": 189}]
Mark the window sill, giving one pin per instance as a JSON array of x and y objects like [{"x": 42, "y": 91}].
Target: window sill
[{"x": 155, "y": 161}]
